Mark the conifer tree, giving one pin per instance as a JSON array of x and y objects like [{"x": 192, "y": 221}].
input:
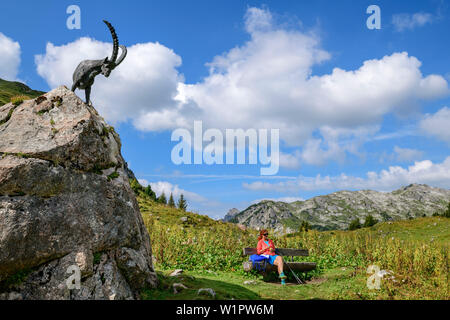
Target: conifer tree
[
  {"x": 171, "y": 203},
  {"x": 182, "y": 204},
  {"x": 148, "y": 191},
  {"x": 162, "y": 198}
]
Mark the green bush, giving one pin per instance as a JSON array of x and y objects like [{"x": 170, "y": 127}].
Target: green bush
[
  {"x": 370, "y": 221},
  {"x": 304, "y": 226},
  {"x": 355, "y": 224},
  {"x": 447, "y": 212}
]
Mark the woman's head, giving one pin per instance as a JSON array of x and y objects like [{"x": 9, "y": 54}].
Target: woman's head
[{"x": 263, "y": 234}]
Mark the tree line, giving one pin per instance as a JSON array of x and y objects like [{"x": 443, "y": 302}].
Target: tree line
[{"x": 138, "y": 189}]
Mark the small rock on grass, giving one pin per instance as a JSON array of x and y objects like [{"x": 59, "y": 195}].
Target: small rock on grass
[
  {"x": 206, "y": 291},
  {"x": 250, "y": 282},
  {"x": 177, "y": 272},
  {"x": 212, "y": 272},
  {"x": 177, "y": 287}
]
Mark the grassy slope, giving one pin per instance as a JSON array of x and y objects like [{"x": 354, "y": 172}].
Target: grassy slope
[
  {"x": 338, "y": 282},
  {"x": 428, "y": 229},
  {"x": 10, "y": 89}
]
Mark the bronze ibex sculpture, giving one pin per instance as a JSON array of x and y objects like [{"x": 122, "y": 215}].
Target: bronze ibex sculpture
[{"x": 87, "y": 70}]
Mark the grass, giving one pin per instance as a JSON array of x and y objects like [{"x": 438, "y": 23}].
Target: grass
[
  {"x": 113, "y": 175},
  {"x": 338, "y": 283},
  {"x": 416, "y": 251}
]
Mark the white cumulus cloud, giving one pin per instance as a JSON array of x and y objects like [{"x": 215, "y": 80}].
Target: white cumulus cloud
[
  {"x": 268, "y": 83},
  {"x": 437, "y": 124},
  {"x": 10, "y": 58},
  {"x": 427, "y": 172},
  {"x": 146, "y": 81}
]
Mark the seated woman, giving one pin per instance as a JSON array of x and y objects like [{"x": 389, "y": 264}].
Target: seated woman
[{"x": 266, "y": 248}]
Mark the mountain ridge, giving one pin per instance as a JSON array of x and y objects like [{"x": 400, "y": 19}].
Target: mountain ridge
[{"x": 336, "y": 210}]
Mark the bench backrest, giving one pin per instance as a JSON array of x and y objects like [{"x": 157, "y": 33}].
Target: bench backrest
[{"x": 280, "y": 251}]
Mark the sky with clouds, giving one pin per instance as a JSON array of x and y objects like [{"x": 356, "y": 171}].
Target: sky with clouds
[{"x": 355, "y": 108}]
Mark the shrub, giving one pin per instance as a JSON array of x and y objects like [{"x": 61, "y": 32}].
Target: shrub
[
  {"x": 304, "y": 226},
  {"x": 370, "y": 221},
  {"x": 447, "y": 212},
  {"x": 355, "y": 224}
]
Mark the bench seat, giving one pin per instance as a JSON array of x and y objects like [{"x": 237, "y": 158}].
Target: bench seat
[{"x": 295, "y": 266}]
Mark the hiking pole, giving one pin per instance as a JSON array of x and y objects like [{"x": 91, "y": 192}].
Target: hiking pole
[{"x": 293, "y": 273}]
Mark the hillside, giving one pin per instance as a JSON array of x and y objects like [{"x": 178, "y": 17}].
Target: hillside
[
  {"x": 10, "y": 89},
  {"x": 337, "y": 210}
]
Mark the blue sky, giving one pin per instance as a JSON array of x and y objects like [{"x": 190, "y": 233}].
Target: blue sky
[{"x": 356, "y": 108}]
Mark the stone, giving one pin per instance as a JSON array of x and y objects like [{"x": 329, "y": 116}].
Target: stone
[
  {"x": 177, "y": 272},
  {"x": 212, "y": 272},
  {"x": 250, "y": 282},
  {"x": 206, "y": 291},
  {"x": 177, "y": 287},
  {"x": 184, "y": 219},
  {"x": 15, "y": 296},
  {"x": 59, "y": 207}
]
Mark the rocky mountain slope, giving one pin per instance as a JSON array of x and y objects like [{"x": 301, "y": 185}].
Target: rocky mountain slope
[
  {"x": 230, "y": 215},
  {"x": 337, "y": 210},
  {"x": 65, "y": 200}
]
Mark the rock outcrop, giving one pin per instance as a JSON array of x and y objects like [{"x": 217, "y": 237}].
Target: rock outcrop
[
  {"x": 65, "y": 200},
  {"x": 337, "y": 210},
  {"x": 230, "y": 215}
]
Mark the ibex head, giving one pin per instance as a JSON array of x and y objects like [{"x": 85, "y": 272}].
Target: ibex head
[{"x": 110, "y": 63}]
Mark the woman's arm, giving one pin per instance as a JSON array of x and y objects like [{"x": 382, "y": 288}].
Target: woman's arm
[
  {"x": 259, "y": 248},
  {"x": 271, "y": 246}
]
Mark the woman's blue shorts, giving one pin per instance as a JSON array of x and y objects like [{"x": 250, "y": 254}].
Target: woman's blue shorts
[{"x": 272, "y": 259}]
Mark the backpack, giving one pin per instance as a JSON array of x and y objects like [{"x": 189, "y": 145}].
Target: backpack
[{"x": 259, "y": 262}]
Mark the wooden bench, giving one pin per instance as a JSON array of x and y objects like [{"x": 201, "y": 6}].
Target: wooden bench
[{"x": 295, "y": 266}]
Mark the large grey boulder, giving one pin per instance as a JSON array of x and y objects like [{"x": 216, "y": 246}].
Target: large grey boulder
[{"x": 65, "y": 200}]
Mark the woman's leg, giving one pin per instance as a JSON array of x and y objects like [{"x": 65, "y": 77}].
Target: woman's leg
[{"x": 279, "y": 263}]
